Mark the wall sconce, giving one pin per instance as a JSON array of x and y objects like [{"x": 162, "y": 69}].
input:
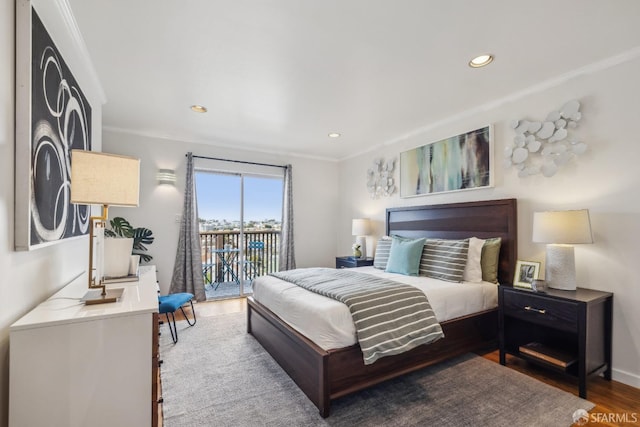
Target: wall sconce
[
  {"x": 102, "y": 179},
  {"x": 166, "y": 176},
  {"x": 561, "y": 230}
]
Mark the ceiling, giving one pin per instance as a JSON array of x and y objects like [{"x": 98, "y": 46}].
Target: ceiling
[{"x": 279, "y": 75}]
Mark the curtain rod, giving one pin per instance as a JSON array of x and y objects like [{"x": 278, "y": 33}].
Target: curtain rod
[{"x": 238, "y": 161}]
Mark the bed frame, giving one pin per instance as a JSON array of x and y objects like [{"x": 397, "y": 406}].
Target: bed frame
[{"x": 325, "y": 375}]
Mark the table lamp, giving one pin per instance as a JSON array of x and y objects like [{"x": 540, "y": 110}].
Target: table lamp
[
  {"x": 360, "y": 229},
  {"x": 102, "y": 179},
  {"x": 561, "y": 230}
]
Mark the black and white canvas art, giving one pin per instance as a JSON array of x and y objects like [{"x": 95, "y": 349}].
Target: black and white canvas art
[{"x": 60, "y": 120}]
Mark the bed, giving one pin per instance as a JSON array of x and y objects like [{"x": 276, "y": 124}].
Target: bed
[{"x": 324, "y": 375}]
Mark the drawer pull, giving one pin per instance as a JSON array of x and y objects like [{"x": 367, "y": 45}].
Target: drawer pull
[{"x": 537, "y": 310}]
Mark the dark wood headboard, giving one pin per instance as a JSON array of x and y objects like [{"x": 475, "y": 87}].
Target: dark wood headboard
[{"x": 483, "y": 219}]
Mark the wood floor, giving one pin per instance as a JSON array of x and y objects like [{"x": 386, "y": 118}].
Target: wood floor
[{"x": 617, "y": 404}]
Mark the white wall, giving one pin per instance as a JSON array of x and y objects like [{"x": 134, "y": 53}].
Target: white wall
[
  {"x": 605, "y": 180},
  {"x": 315, "y": 192},
  {"x": 30, "y": 277},
  {"x": 328, "y": 195}
]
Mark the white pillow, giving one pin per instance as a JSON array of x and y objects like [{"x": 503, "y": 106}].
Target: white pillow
[{"x": 473, "y": 269}]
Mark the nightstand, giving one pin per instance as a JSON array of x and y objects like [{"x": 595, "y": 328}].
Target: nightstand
[
  {"x": 350, "y": 262},
  {"x": 567, "y": 331}
]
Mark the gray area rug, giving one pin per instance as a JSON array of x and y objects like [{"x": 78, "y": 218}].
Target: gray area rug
[{"x": 218, "y": 375}]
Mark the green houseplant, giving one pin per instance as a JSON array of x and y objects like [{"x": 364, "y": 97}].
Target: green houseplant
[{"x": 141, "y": 236}]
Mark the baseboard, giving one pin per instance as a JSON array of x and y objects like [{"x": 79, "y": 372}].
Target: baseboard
[{"x": 626, "y": 377}]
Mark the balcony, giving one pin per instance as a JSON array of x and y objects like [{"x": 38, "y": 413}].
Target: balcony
[{"x": 225, "y": 275}]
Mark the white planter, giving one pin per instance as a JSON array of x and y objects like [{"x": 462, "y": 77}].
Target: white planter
[
  {"x": 134, "y": 262},
  {"x": 117, "y": 255}
]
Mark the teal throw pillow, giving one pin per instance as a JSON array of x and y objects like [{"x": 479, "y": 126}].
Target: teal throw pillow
[{"x": 404, "y": 256}]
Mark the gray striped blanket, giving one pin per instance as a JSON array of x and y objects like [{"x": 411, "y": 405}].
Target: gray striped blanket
[{"x": 390, "y": 317}]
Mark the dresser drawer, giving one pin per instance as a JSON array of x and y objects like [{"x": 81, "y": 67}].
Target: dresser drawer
[{"x": 541, "y": 310}]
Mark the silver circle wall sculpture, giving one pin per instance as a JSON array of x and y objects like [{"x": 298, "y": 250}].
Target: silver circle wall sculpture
[
  {"x": 380, "y": 178},
  {"x": 543, "y": 147}
]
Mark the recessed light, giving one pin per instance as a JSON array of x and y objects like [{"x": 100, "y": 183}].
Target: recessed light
[
  {"x": 199, "y": 108},
  {"x": 481, "y": 61},
  {"x": 334, "y": 135}
]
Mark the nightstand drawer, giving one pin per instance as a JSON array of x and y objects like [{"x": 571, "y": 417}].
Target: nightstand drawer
[
  {"x": 541, "y": 310},
  {"x": 345, "y": 263},
  {"x": 351, "y": 262}
]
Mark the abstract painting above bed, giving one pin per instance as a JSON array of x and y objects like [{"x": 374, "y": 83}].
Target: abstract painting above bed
[{"x": 461, "y": 162}]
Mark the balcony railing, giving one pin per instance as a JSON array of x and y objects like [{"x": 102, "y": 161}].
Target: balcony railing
[{"x": 258, "y": 261}]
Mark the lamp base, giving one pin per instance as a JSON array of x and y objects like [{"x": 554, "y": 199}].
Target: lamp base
[
  {"x": 362, "y": 241},
  {"x": 94, "y": 296},
  {"x": 560, "y": 267}
]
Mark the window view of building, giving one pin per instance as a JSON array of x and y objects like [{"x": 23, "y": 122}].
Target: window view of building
[{"x": 240, "y": 223}]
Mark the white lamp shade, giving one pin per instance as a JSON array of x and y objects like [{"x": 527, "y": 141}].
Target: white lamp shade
[
  {"x": 562, "y": 227},
  {"x": 104, "y": 179},
  {"x": 360, "y": 227}
]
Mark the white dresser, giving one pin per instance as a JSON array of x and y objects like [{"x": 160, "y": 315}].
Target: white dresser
[{"x": 76, "y": 365}]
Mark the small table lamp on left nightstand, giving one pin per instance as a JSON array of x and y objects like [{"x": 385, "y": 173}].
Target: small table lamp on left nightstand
[
  {"x": 360, "y": 229},
  {"x": 102, "y": 179}
]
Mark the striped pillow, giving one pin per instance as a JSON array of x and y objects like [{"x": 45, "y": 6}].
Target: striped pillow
[
  {"x": 444, "y": 259},
  {"x": 383, "y": 249}
]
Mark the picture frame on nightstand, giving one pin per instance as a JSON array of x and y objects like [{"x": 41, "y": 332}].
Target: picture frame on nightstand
[{"x": 526, "y": 272}]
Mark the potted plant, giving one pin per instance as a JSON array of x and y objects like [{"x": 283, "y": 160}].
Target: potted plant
[
  {"x": 121, "y": 242},
  {"x": 141, "y": 236}
]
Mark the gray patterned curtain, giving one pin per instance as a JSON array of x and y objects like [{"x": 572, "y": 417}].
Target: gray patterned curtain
[
  {"x": 287, "y": 260},
  {"x": 187, "y": 271}
]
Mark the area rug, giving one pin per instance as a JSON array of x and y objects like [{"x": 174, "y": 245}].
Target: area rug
[{"x": 218, "y": 375}]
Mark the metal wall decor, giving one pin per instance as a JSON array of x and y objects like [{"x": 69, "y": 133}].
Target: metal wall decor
[
  {"x": 544, "y": 147},
  {"x": 380, "y": 178}
]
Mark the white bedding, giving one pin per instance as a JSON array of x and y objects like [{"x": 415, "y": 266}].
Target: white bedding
[{"x": 328, "y": 322}]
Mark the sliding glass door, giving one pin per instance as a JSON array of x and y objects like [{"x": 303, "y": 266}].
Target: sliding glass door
[{"x": 240, "y": 223}]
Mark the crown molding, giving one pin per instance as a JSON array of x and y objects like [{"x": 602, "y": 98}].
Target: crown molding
[
  {"x": 592, "y": 68},
  {"x": 228, "y": 145},
  {"x": 76, "y": 36}
]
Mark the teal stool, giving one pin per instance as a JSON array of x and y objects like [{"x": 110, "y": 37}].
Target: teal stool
[{"x": 168, "y": 304}]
